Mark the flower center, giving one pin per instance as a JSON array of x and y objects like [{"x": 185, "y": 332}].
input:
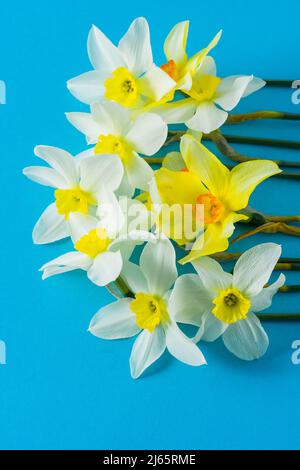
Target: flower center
[
  {"x": 231, "y": 305},
  {"x": 213, "y": 209},
  {"x": 121, "y": 87},
  {"x": 171, "y": 69},
  {"x": 204, "y": 87},
  {"x": 93, "y": 243},
  {"x": 150, "y": 310},
  {"x": 73, "y": 200},
  {"x": 111, "y": 144}
]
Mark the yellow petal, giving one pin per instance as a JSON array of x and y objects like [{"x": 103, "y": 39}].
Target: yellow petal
[
  {"x": 206, "y": 165},
  {"x": 175, "y": 43},
  {"x": 214, "y": 239},
  {"x": 178, "y": 187},
  {"x": 245, "y": 177},
  {"x": 194, "y": 62}
]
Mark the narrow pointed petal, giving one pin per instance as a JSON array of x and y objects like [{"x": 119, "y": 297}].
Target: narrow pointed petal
[
  {"x": 158, "y": 264},
  {"x": 254, "y": 268},
  {"x": 246, "y": 339},
  {"x": 114, "y": 321},
  {"x": 50, "y": 227},
  {"x": 175, "y": 43},
  {"x": 136, "y": 48},
  {"x": 103, "y": 54},
  {"x": 148, "y": 347},
  {"x": 181, "y": 347}
]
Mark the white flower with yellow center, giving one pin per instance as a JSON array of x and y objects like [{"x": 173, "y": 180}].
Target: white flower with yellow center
[
  {"x": 179, "y": 66},
  {"x": 114, "y": 131},
  {"x": 102, "y": 244},
  {"x": 80, "y": 187},
  {"x": 150, "y": 313},
  {"x": 124, "y": 74},
  {"x": 223, "y": 303},
  {"x": 209, "y": 96}
]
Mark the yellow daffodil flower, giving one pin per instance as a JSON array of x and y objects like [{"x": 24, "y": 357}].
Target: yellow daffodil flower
[{"x": 207, "y": 183}]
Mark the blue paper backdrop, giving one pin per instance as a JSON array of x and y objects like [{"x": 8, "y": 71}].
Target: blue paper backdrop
[{"x": 62, "y": 387}]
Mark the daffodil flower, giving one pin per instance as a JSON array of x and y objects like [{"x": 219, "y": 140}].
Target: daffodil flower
[
  {"x": 181, "y": 68},
  {"x": 207, "y": 183},
  {"x": 124, "y": 74},
  {"x": 209, "y": 97},
  {"x": 80, "y": 187},
  {"x": 102, "y": 244},
  {"x": 114, "y": 131},
  {"x": 150, "y": 313},
  {"x": 227, "y": 302}
]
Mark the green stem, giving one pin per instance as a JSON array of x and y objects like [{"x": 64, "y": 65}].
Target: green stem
[
  {"x": 227, "y": 150},
  {"x": 237, "y": 118},
  {"x": 119, "y": 289},
  {"x": 279, "y": 316},
  {"x": 279, "y": 83}
]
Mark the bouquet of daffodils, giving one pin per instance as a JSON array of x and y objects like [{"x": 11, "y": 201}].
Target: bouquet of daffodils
[{"x": 133, "y": 217}]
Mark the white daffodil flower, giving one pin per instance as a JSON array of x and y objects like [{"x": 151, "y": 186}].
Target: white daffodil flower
[
  {"x": 125, "y": 74},
  {"x": 81, "y": 185},
  {"x": 150, "y": 313},
  {"x": 179, "y": 67},
  {"x": 113, "y": 129},
  {"x": 103, "y": 244},
  {"x": 209, "y": 97},
  {"x": 226, "y": 302}
]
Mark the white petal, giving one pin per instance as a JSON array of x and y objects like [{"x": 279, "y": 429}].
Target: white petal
[
  {"x": 212, "y": 275},
  {"x": 136, "y": 48},
  {"x": 155, "y": 83},
  {"x": 231, "y": 90},
  {"x": 80, "y": 225},
  {"x": 106, "y": 268},
  {"x": 125, "y": 189},
  {"x": 110, "y": 213},
  {"x": 173, "y": 161},
  {"x": 175, "y": 43},
  {"x": 114, "y": 321},
  {"x": 85, "y": 123},
  {"x": 210, "y": 329},
  {"x": 45, "y": 176},
  {"x": 255, "y": 85},
  {"x": 147, "y": 348},
  {"x": 147, "y": 134},
  {"x": 60, "y": 160},
  {"x": 264, "y": 299},
  {"x": 103, "y": 54},
  {"x": 50, "y": 227},
  {"x": 158, "y": 264},
  {"x": 88, "y": 87},
  {"x": 67, "y": 262},
  {"x": 111, "y": 117},
  {"x": 207, "y": 118},
  {"x": 133, "y": 277},
  {"x": 246, "y": 338},
  {"x": 182, "y": 347},
  {"x": 99, "y": 171},
  {"x": 254, "y": 268},
  {"x": 208, "y": 66},
  {"x": 189, "y": 300},
  {"x": 177, "y": 112},
  {"x": 139, "y": 172}
]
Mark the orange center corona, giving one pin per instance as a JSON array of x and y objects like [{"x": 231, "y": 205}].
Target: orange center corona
[
  {"x": 171, "y": 69},
  {"x": 213, "y": 209}
]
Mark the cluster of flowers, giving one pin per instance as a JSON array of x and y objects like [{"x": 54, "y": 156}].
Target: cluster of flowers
[{"x": 108, "y": 199}]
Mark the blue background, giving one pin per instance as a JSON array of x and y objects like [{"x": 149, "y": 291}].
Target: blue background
[{"x": 62, "y": 387}]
